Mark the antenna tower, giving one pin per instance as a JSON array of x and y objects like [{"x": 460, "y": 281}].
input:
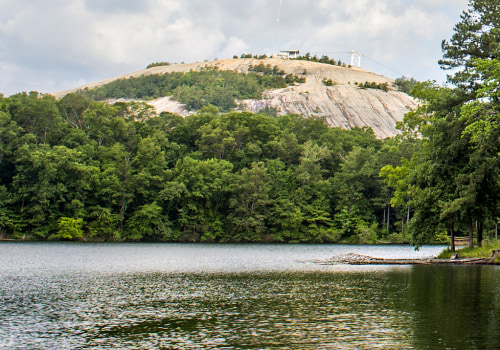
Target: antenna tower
[
  {"x": 277, "y": 29},
  {"x": 356, "y": 59}
]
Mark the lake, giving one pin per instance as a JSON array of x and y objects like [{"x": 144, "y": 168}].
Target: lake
[{"x": 196, "y": 296}]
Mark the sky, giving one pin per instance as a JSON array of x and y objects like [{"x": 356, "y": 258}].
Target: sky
[{"x": 54, "y": 45}]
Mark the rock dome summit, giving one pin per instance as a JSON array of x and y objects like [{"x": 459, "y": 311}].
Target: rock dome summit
[{"x": 343, "y": 101}]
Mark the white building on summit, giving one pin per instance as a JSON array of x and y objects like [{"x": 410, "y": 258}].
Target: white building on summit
[{"x": 288, "y": 54}]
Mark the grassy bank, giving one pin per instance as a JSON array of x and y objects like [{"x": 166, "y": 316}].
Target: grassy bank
[{"x": 476, "y": 252}]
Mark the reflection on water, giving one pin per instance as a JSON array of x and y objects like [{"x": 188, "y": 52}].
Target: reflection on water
[
  {"x": 314, "y": 310},
  {"x": 460, "y": 306},
  {"x": 252, "y": 303}
]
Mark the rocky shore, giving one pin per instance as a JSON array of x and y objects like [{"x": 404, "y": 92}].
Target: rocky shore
[{"x": 357, "y": 259}]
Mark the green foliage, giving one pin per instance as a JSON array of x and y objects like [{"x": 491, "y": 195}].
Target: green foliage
[
  {"x": 37, "y": 114},
  {"x": 405, "y": 84},
  {"x": 7, "y": 218},
  {"x": 373, "y": 85},
  {"x": 291, "y": 79},
  {"x": 108, "y": 173},
  {"x": 250, "y": 203},
  {"x": 476, "y": 36},
  {"x": 196, "y": 89},
  {"x": 157, "y": 64},
  {"x": 476, "y": 252},
  {"x": 323, "y": 59},
  {"x": 69, "y": 228},
  {"x": 328, "y": 82},
  {"x": 452, "y": 181},
  {"x": 148, "y": 223},
  {"x": 482, "y": 116},
  {"x": 266, "y": 69}
]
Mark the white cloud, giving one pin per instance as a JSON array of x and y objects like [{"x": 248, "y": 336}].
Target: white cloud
[
  {"x": 233, "y": 46},
  {"x": 52, "y": 44}
]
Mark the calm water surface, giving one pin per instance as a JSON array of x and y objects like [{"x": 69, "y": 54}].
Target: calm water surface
[{"x": 178, "y": 296}]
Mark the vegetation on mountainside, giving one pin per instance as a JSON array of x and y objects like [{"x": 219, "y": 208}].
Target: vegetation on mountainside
[
  {"x": 323, "y": 59},
  {"x": 307, "y": 57},
  {"x": 157, "y": 64},
  {"x": 249, "y": 55},
  {"x": 328, "y": 82},
  {"x": 268, "y": 70},
  {"x": 196, "y": 89},
  {"x": 405, "y": 84},
  {"x": 373, "y": 85}
]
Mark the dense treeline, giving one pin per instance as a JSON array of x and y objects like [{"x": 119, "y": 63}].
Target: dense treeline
[
  {"x": 81, "y": 169},
  {"x": 198, "y": 88},
  {"x": 453, "y": 182}
]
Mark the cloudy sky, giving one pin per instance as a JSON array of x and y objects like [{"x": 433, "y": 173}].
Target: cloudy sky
[{"x": 54, "y": 45}]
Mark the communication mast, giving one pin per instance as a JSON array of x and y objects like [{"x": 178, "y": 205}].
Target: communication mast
[
  {"x": 356, "y": 58},
  {"x": 277, "y": 29}
]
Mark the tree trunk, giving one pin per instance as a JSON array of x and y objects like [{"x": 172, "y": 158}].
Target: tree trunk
[
  {"x": 479, "y": 233},
  {"x": 471, "y": 233},
  {"x": 407, "y": 220},
  {"x": 452, "y": 235},
  {"x": 123, "y": 209},
  {"x": 388, "y": 216}
]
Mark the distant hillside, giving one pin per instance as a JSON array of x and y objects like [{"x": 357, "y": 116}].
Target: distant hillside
[{"x": 340, "y": 95}]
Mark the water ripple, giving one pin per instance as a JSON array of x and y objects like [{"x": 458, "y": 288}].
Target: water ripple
[{"x": 98, "y": 307}]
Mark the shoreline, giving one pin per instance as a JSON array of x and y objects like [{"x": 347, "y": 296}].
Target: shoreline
[{"x": 358, "y": 259}]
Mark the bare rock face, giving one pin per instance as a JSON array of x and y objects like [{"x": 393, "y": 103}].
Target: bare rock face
[{"x": 343, "y": 104}]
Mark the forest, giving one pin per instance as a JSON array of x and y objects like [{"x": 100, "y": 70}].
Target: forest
[{"x": 81, "y": 169}]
